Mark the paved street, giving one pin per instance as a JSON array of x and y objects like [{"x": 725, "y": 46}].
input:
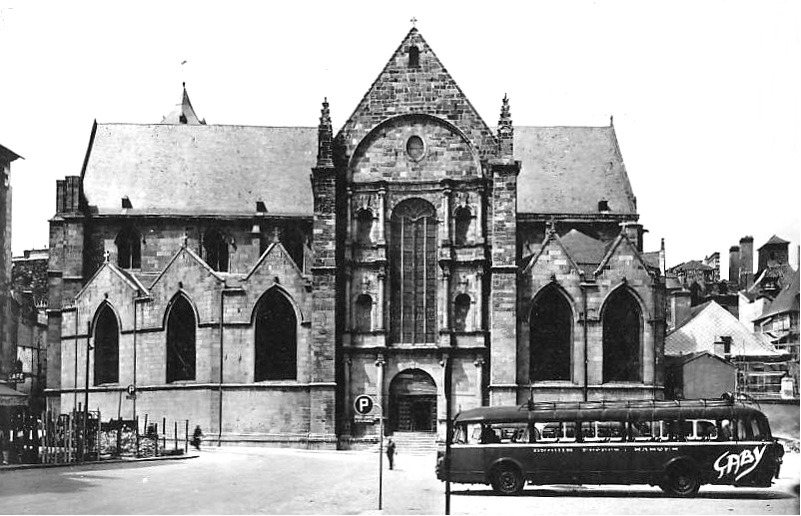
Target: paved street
[{"x": 276, "y": 481}]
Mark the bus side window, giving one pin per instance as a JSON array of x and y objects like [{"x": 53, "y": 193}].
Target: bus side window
[
  {"x": 742, "y": 434},
  {"x": 474, "y": 431},
  {"x": 641, "y": 431},
  {"x": 725, "y": 430},
  {"x": 569, "y": 431},
  {"x": 706, "y": 430}
]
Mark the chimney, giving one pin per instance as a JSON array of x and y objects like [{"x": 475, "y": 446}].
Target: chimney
[
  {"x": 679, "y": 307},
  {"x": 746, "y": 262},
  {"x": 734, "y": 266}
]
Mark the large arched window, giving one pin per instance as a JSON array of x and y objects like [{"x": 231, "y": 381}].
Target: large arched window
[
  {"x": 129, "y": 250},
  {"x": 462, "y": 218},
  {"x": 276, "y": 338},
  {"x": 362, "y": 313},
  {"x": 181, "y": 326},
  {"x": 107, "y": 346},
  {"x": 622, "y": 327},
  {"x": 551, "y": 337},
  {"x": 413, "y": 279},
  {"x": 216, "y": 249}
]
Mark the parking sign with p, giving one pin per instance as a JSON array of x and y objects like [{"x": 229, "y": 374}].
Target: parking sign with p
[{"x": 363, "y": 404}]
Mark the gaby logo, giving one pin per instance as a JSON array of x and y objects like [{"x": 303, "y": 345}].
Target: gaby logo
[{"x": 735, "y": 462}]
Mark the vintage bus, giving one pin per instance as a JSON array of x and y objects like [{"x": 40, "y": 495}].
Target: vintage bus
[{"x": 676, "y": 445}]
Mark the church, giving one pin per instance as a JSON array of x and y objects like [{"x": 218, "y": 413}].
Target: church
[{"x": 255, "y": 280}]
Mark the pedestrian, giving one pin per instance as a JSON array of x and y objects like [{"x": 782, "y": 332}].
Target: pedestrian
[
  {"x": 196, "y": 437},
  {"x": 391, "y": 452}
]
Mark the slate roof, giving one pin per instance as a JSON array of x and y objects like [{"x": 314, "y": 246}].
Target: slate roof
[
  {"x": 785, "y": 301},
  {"x": 568, "y": 170},
  {"x": 586, "y": 251},
  {"x": 8, "y": 154},
  {"x": 706, "y": 324},
  {"x": 692, "y": 265},
  {"x": 200, "y": 169},
  {"x": 774, "y": 240}
]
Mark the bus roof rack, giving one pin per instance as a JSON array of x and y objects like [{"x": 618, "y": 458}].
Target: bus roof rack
[{"x": 724, "y": 401}]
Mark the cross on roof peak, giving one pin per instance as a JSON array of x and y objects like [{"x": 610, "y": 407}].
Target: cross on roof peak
[{"x": 414, "y": 21}]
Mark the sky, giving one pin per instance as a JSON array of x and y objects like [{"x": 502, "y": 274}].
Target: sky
[{"x": 704, "y": 94}]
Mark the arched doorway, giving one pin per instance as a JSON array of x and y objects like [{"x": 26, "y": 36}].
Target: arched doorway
[{"x": 413, "y": 402}]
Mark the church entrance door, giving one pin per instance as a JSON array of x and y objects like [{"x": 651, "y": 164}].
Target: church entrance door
[{"x": 413, "y": 402}]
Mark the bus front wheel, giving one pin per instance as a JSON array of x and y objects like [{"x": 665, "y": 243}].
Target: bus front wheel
[
  {"x": 507, "y": 479},
  {"x": 681, "y": 480}
]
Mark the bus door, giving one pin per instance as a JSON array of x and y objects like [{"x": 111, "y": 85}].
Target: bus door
[{"x": 467, "y": 451}]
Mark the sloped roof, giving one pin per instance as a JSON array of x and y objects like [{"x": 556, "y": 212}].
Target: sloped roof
[
  {"x": 706, "y": 324},
  {"x": 586, "y": 251},
  {"x": 692, "y": 265},
  {"x": 774, "y": 240},
  {"x": 568, "y": 170},
  {"x": 200, "y": 169},
  {"x": 652, "y": 257},
  {"x": 8, "y": 154},
  {"x": 785, "y": 301}
]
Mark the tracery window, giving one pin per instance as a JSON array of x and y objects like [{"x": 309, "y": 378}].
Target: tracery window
[
  {"x": 276, "y": 338},
  {"x": 106, "y": 346},
  {"x": 129, "y": 251},
  {"x": 551, "y": 330},
  {"x": 216, "y": 249},
  {"x": 181, "y": 326},
  {"x": 622, "y": 327},
  {"x": 413, "y": 268}
]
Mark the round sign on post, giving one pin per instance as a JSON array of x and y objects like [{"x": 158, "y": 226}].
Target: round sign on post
[{"x": 363, "y": 404}]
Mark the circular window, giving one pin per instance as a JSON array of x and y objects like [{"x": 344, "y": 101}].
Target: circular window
[{"x": 415, "y": 148}]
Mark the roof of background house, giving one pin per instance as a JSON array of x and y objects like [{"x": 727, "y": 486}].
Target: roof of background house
[
  {"x": 8, "y": 154},
  {"x": 785, "y": 301},
  {"x": 705, "y": 326},
  {"x": 774, "y": 240},
  {"x": 570, "y": 169},
  {"x": 684, "y": 359},
  {"x": 692, "y": 265}
]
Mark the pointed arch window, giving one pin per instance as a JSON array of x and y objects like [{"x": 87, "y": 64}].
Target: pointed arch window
[
  {"x": 107, "y": 346},
  {"x": 551, "y": 337},
  {"x": 363, "y": 312},
  {"x": 181, "y": 325},
  {"x": 364, "y": 226},
  {"x": 461, "y": 307},
  {"x": 462, "y": 218},
  {"x": 129, "y": 250},
  {"x": 413, "y": 268},
  {"x": 622, "y": 337},
  {"x": 216, "y": 250},
  {"x": 276, "y": 338}
]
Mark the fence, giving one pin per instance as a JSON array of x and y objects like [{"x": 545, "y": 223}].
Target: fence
[{"x": 81, "y": 436}]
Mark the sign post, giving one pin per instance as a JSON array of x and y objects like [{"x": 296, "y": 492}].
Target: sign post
[{"x": 364, "y": 404}]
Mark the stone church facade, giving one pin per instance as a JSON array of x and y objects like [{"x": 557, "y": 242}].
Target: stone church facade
[{"x": 255, "y": 280}]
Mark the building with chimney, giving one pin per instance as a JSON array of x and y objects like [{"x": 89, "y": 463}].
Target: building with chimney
[{"x": 255, "y": 280}]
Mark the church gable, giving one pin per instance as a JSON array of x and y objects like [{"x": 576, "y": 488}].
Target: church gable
[
  {"x": 108, "y": 284},
  {"x": 553, "y": 260},
  {"x": 415, "y": 81},
  {"x": 277, "y": 265},
  {"x": 624, "y": 262},
  {"x": 188, "y": 273}
]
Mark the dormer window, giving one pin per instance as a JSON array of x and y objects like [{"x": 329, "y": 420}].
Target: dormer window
[
  {"x": 603, "y": 206},
  {"x": 414, "y": 57}
]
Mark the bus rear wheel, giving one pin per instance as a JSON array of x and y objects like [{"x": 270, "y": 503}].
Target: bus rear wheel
[
  {"x": 682, "y": 481},
  {"x": 507, "y": 480}
]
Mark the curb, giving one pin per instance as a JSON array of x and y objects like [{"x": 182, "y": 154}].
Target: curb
[{"x": 15, "y": 467}]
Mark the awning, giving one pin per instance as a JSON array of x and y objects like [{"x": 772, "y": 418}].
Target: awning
[{"x": 11, "y": 398}]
